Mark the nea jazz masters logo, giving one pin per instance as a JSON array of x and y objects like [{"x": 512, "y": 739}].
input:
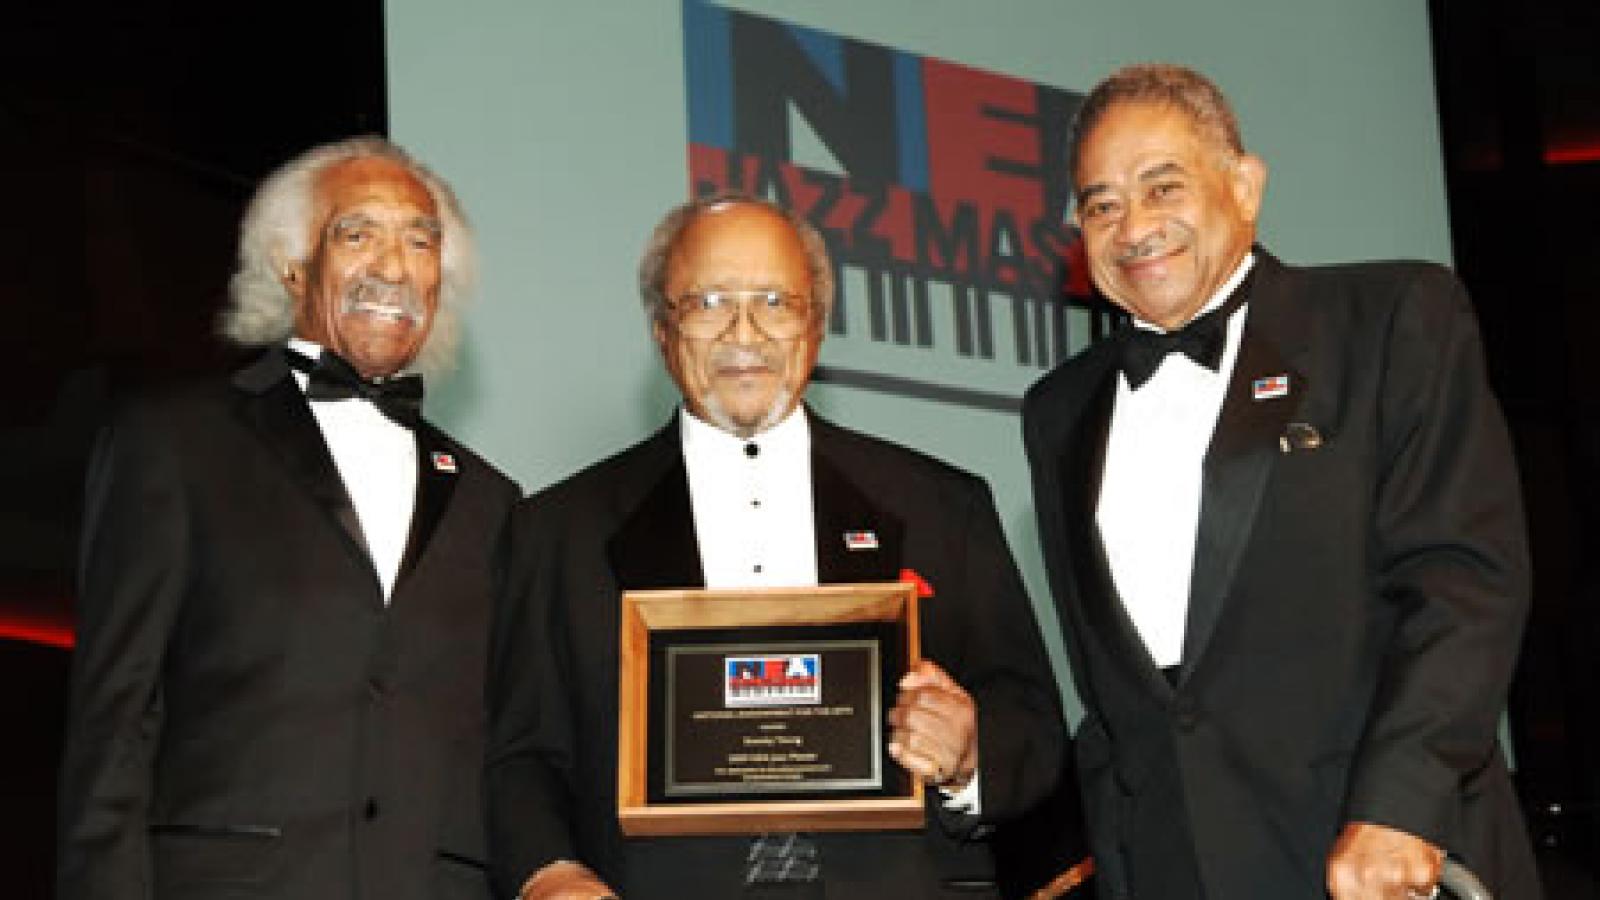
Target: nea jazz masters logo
[
  {"x": 940, "y": 189},
  {"x": 780, "y": 680}
]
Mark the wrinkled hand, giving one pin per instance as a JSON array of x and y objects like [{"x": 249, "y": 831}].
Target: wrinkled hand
[
  {"x": 1375, "y": 862},
  {"x": 934, "y": 728},
  {"x": 565, "y": 880}
]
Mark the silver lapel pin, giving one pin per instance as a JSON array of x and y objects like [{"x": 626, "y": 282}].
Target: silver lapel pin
[{"x": 1299, "y": 436}]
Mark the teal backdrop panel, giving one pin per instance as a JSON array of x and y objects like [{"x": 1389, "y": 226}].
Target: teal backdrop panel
[{"x": 922, "y": 136}]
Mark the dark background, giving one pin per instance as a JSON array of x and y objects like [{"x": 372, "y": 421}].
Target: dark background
[{"x": 133, "y": 133}]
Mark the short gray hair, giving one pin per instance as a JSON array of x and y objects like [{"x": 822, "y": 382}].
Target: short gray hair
[
  {"x": 664, "y": 240},
  {"x": 277, "y": 231},
  {"x": 1161, "y": 84}
]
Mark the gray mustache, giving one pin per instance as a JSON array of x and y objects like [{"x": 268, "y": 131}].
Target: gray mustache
[
  {"x": 368, "y": 294},
  {"x": 1172, "y": 235},
  {"x": 742, "y": 358},
  {"x": 1154, "y": 245}
]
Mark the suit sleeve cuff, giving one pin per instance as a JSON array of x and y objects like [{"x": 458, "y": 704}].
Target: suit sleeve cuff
[{"x": 968, "y": 800}]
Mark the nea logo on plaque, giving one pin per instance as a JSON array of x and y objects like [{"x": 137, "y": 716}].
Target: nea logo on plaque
[{"x": 772, "y": 680}]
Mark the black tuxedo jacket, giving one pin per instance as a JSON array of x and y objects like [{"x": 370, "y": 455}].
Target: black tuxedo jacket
[
  {"x": 626, "y": 523},
  {"x": 247, "y": 717},
  {"x": 1359, "y": 588}
]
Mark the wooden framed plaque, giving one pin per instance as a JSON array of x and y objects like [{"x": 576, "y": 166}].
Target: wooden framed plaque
[{"x": 747, "y": 711}]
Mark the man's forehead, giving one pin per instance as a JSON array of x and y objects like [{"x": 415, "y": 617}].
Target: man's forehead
[
  {"x": 724, "y": 221},
  {"x": 373, "y": 184},
  {"x": 1140, "y": 128},
  {"x": 1138, "y": 142},
  {"x": 730, "y": 243}
]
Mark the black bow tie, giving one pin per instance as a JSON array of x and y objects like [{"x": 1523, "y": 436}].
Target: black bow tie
[
  {"x": 331, "y": 378},
  {"x": 1202, "y": 340}
]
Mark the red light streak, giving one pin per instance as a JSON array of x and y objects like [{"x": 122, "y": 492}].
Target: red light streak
[
  {"x": 37, "y": 631},
  {"x": 1572, "y": 153}
]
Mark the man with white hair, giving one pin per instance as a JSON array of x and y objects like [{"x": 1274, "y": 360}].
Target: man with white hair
[{"x": 285, "y": 580}]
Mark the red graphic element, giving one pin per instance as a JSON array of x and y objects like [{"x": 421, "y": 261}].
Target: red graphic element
[
  {"x": 709, "y": 165},
  {"x": 977, "y": 120},
  {"x": 910, "y": 576},
  {"x": 767, "y": 673},
  {"x": 841, "y": 208},
  {"x": 1077, "y": 272}
]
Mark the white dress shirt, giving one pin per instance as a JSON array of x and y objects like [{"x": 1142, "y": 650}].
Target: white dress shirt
[
  {"x": 1149, "y": 509},
  {"x": 753, "y": 514},
  {"x": 755, "y": 519},
  {"x": 377, "y": 460}
]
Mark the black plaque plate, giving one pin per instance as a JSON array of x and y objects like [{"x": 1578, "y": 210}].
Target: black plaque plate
[{"x": 792, "y": 712}]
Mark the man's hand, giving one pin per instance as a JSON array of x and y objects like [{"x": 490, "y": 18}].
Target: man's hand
[
  {"x": 935, "y": 728},
  {"x": 565, "y": 880},
  {"x": 1375, "y": 862}
]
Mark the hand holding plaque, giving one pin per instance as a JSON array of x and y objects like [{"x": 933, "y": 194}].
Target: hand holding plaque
[{"x": 935, "y": 726}]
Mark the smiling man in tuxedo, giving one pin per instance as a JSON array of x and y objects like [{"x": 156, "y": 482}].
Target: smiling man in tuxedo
[
  {"x": 745, "y": 487},
  {"x": 284, "y": 597},
  {"x": 1283, "y": 529}
]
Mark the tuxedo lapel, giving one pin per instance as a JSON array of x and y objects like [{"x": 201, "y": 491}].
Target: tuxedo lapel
[
  {"x": 276, "y": 409},
  {"x": 656, "y": 546},
  {"x": 1081, "y": 466},
  {"x": 1244, "y": 449},
  {"x": 856, "y": 539},
  {"x": 437, "y": 473}
]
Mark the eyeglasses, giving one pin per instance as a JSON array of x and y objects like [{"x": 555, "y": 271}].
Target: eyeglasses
[{"x": 708, "y": 314}]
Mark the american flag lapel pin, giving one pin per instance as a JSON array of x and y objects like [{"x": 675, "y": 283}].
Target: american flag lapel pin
[
  {"x": 443, "y": 462},
  {"x": 860, "y": 540},
  {"x": 1270, "y": 387}
]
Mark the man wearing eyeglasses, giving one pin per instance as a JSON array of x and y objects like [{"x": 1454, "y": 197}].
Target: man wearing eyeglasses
[{"x": 747, "y": 488}]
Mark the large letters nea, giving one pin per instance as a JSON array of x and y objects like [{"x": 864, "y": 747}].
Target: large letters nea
[{"x": 940, "y": 189}]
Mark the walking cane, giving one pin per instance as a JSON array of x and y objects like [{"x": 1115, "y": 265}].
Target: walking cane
[{"x": 1458, "y": 882}]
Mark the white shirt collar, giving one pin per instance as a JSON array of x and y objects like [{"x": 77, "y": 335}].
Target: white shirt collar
[
  {"x": 788, "y": 440},
  {"x": 310, "y": 350}
]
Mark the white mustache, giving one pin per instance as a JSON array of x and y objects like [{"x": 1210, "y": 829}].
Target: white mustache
[
  {"x": 375, "y": 297},
  {"x": 741, "y": 358}
]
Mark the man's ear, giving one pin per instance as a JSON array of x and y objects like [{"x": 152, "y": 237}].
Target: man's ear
[
  {"x": 295, "y": 278},
  {"x": 1248, "y": 182}
]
